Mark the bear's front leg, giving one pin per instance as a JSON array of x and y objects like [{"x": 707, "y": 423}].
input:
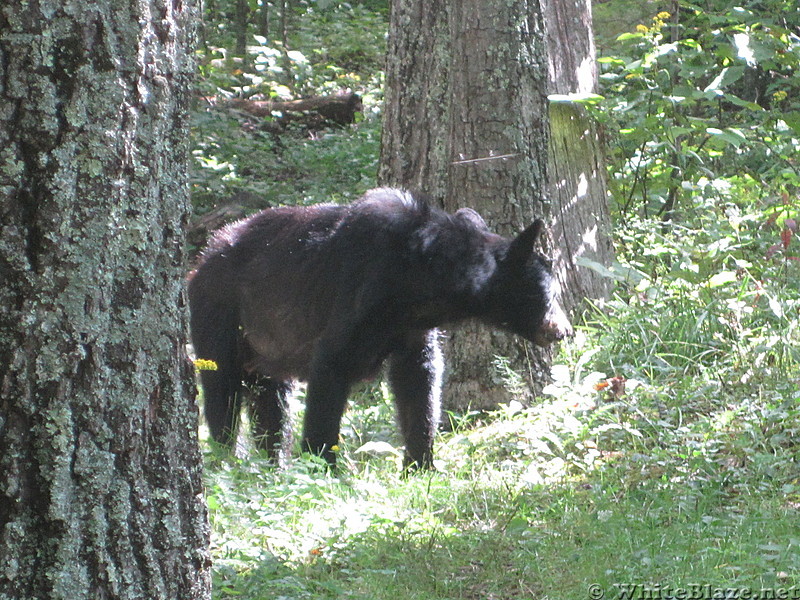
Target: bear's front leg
[{"x": 415, "y": 375}]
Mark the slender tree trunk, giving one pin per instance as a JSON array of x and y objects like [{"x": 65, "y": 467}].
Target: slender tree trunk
[
  {"x": 467, "y": 85},
  {"x": 263, "y": 19},
  {"x": 100, "y": 471},
  {"x": 580, "y": 219},
  {"x": 242, "y": 17},
  {"x": 285, "y": 10}
]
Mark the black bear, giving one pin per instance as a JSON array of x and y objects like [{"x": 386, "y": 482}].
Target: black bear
[{"x": 325, "y": 293}]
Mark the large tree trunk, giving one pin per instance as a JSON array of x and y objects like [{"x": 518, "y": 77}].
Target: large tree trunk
[
  {"x": 100, "y": 470},
  {"x": 468, "y": 80},
  {"x": 466, "y": 121}
]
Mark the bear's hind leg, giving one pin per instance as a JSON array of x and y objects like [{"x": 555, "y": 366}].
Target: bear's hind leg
[{"x": 269, "y": 413}]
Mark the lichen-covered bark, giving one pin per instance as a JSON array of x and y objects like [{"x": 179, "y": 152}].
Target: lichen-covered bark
[
  {"x": 415, "y": 150},
  {"x": 499, "y": 78},
  {"x": 100, "y": 472},
  {"x": 468, "y": 80},
  {"x": 581, "y": 224}
]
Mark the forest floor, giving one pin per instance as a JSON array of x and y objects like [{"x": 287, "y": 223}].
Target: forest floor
[{"x": 671, "y": 490}]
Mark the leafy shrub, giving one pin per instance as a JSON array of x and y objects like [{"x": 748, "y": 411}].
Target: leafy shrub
[
  {"x": 701, "y": 108},
  {"x": 715, "y": 296},
  {"x": 707, "y": 93}
]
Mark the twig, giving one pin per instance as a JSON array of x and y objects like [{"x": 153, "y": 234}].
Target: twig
[{"x": 485, "y": 158}]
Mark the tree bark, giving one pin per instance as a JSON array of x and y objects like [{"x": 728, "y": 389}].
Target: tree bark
[
  {"x": 581, "y": 222},
  {"x": 240, "y": 26},
  {"x": 263, "y": 19},
  {"x": 100, "y": 470},
  {"x": 415, "y": 150},
  {"x": 570, "y": 42}
]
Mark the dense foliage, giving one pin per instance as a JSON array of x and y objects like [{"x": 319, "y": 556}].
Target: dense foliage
[
  {"x": 665, "y": 453},
  {"x": 702, "y": 111},
  {"x": 706, "y": 94}
]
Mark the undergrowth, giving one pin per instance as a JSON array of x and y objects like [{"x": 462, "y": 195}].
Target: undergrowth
[{"x": 673, "y": 483}]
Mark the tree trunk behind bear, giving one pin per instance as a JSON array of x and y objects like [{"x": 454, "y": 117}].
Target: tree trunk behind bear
[
  {"x": 100, "y": 471},
  {"x": 466, "y": 84},
  {"x": 498, "y": 83},
  {"x": 580, "y": 222},
  {"x": 465, "y": 81}
]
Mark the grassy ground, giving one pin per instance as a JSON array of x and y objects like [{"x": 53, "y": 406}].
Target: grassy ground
[{"x": 578, "y": 495}]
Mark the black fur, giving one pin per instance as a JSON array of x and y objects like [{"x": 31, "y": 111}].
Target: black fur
[{"x": 325, "y": 293}]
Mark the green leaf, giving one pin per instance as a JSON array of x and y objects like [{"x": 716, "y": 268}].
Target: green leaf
[
  {"x": 630, "y": 36},
  {"x": 611, "y": 60},
  {"x": 792, "y": 119},
  {"x": 617, "y": 271},
  {"x": 727, "y": 76},
  {"x": 722, "y": 278},
  {"x": 731, "y": 135},
  {"x": 691, "y": 43},
  {"x": 743, "y": 103},
  {"x": 585, "y": 98},
  {"x": 634, "y": 65},
  {"x": 596, "y": 267},
  {"x": 775, "y": 307}
]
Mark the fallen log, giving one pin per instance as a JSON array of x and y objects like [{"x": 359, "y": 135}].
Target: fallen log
[
  {"x": 340, "y": 108},
  {"x": 228, "y": 210}
]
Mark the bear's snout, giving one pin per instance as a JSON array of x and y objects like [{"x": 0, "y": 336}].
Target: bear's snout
[{"x": 555, "y": 327}]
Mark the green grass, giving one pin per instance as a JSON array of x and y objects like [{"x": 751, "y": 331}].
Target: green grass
[{"x": 534, "y": 502}]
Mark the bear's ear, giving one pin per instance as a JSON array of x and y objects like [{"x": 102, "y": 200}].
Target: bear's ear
[
  {"x": 522, "y": 246},
  {"x": 470, "y": 216}
]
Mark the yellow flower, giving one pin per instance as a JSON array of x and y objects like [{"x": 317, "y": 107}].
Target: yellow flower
[
  {"x": 204, "y": 364},
  {"x": 335, "y": 448},
  {"x": 663, "y": 15},
  {"x": 642, "y": 28}
]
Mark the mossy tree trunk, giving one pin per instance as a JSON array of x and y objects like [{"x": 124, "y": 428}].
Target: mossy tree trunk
[
  {"x": 100, "y": 470},
  {"x": 466, "y": 121}
]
